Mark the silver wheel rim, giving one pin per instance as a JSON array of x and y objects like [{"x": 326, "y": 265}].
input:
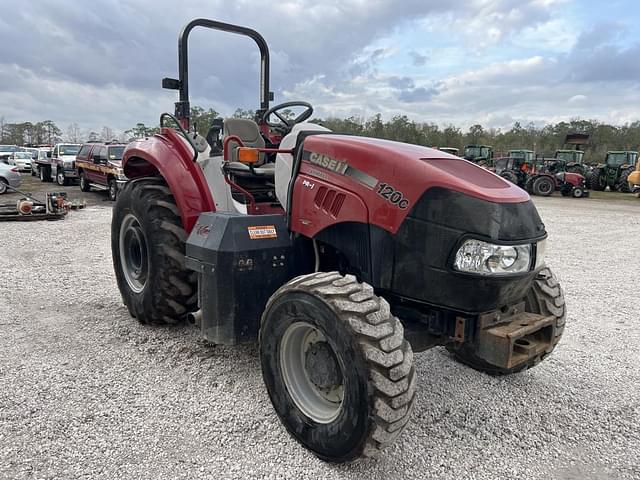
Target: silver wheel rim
[
  {"x": 3, "y": 186},
  {"x": 61, "y": 179},
  {"x": 112, "y": 190},
  {"x": 320, "y": 401},
  {"x": 134, "y": 257}
]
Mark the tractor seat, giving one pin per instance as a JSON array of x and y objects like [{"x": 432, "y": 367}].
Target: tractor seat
[
  {"x": 242, "y": 170},
  {"x": 248, "y": 132}
]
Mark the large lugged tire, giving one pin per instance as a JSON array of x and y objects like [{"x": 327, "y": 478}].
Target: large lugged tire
[
  {"x": 336, "y": 365},
  {"x": 543, "y": 186},
  {"x": 148, "y": 249},
  {"x": 544, "y": 298},
  {"x": 623, "y": 184},
  {"x": 595, "y": 180}
]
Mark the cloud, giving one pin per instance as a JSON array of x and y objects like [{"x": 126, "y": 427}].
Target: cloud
[
  {"x": 420, "y": 94},
  {"x": 419, "y": 60},
  {"x": 514, "y": 60}
]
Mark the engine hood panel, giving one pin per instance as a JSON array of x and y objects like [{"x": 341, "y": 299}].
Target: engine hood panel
[{"x": 391, "y": 177}]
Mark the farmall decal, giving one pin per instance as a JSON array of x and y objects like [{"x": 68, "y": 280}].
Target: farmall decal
[{"x": 329, "y": 163}]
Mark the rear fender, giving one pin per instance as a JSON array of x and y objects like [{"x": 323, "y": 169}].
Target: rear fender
[{"x": 167, "y": 155}]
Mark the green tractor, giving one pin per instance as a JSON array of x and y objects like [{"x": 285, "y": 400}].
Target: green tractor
[
  {"x": 451, "y": 150},
  {"x": 480, "y": 154},
  {"x": 571, "y": 161},
  {"x": 614, "y": 172},
  {"x": 528, "y": 156}
]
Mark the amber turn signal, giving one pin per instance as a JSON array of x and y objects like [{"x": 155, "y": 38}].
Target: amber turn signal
[{"x": 248, "y": 155}]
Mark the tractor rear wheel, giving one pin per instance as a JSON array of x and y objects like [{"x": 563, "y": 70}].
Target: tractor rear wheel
[
  {"x": 543, "y": 186},
  {"x": 510, "y": 176},
  {"x": 337, "y": 367},
  {"x": 623, "y": 184},
  {"x": 596, "y": 181},
  {"x": 148, "y": 249},
  {"x": 544, "y": 298}
]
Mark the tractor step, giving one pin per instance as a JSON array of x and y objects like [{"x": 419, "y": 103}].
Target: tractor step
[{"x": 525, "y": 336}]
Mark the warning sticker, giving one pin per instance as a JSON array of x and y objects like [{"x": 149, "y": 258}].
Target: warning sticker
[{"x": 265, "y": 231}]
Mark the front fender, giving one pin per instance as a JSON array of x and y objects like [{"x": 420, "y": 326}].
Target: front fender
[{"x": 167, "y": 155}]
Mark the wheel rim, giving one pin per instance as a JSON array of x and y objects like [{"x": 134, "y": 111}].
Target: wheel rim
[
  {"x": 60, "y": 178},
  {"x": 112, "y": 190},
  {"x": 3, "y": 186},
  {"x": 133, "y": 253},
  {"x": 41, "y": 171},
  {"x": 82, "y": 182},
  {"x": 545, "y": 187},
  {"x": 312, "y": 372}
]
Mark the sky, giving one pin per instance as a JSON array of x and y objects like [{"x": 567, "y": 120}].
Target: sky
[{"x": 460, "y": 62}]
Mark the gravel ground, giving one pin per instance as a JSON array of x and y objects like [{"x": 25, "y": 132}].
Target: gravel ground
[{"x": 86, "y": 392}]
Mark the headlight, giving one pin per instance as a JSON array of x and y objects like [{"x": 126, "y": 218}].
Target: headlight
[
  {"x": 120, "y": 174},
  {"x": 68, "y": 164},
  {"x": 482, "y": 258}
]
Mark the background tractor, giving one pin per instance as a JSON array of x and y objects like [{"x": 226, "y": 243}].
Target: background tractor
[
  {"x": 527, "y": 156},
  {"x": 341, "y": 255},
  {"x": 614, "y": 172},
  {"x": 634, "y": 179},
  {"x": 479, "y": 154},
  {"x": 451, "y": 150}
]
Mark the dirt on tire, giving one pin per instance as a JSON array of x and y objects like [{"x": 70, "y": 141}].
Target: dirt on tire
[
  {"x": 169, "y": 292},
  {"x": 382, "y": 365}
]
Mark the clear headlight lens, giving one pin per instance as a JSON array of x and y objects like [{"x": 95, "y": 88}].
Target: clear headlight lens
[
  {"x": 68, "y": 164},
  {"x": 120, "y": 174},
  {"x": 483, "y": 258},
  {"x": 541, "y": 250}
]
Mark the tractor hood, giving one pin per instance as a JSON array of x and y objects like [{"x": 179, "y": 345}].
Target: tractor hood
[
  {"x": 416, "y": 168},
  {"x": 391, "y": 177}
]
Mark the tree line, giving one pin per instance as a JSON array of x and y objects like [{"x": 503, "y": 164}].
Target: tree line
[{"x": 543, "y": 140}]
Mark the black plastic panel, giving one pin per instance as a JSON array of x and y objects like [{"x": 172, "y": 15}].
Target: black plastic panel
[{"x": 241, "y": 261}]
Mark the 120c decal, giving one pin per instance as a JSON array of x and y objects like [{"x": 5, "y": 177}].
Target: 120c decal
[{"x": 393, "y": 196}]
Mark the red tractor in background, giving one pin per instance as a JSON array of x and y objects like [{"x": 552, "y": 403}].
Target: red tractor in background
[
  {"x": 541, "y": 180},
  {"x": 341, "y": 255}
]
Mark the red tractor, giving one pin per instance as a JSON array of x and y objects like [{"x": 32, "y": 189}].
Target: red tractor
[{"x": 340, "y": 255}]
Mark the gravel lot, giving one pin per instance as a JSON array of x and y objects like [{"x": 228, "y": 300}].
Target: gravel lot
[{"x": 86, "y": 392}]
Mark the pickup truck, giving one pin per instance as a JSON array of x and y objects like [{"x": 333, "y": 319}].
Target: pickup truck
[
  {"x": 99, "y": 166},
  {"x": 59, "y": 164}
]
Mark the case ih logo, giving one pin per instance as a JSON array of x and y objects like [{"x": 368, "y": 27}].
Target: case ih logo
[
  {"x": 327, "y": 162},
  {"x": 203, "y": 230}
]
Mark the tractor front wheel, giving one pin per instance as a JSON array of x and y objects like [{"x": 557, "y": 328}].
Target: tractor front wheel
[
  {"x": 544, "y": 298},
  {"x": 337, "y": 367},
  {"x": 148, "y": 249}
]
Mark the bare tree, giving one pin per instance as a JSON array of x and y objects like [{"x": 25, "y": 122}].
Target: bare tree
[
  {"x": 107, "y": 134},
  {"x": 73, "y": 133}
]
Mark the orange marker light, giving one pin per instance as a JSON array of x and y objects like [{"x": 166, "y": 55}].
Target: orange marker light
[{"x": 248, "y": 155}]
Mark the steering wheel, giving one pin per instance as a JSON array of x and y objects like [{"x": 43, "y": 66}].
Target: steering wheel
[{"x": 308, "y": 111}]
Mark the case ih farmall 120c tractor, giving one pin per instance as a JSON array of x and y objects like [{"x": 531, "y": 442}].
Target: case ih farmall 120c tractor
[{"x": 341, "y": 255}]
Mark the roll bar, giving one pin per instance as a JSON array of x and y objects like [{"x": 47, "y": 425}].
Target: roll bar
[{"x": 182, "y": 83}]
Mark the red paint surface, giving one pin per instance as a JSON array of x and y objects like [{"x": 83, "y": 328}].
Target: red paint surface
[
  {"x": 409, "y": 169},
  {"x": 169, "y": 156}
]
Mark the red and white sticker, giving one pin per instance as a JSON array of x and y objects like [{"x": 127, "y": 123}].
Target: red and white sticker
[{"x": 265, "y": 231}]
